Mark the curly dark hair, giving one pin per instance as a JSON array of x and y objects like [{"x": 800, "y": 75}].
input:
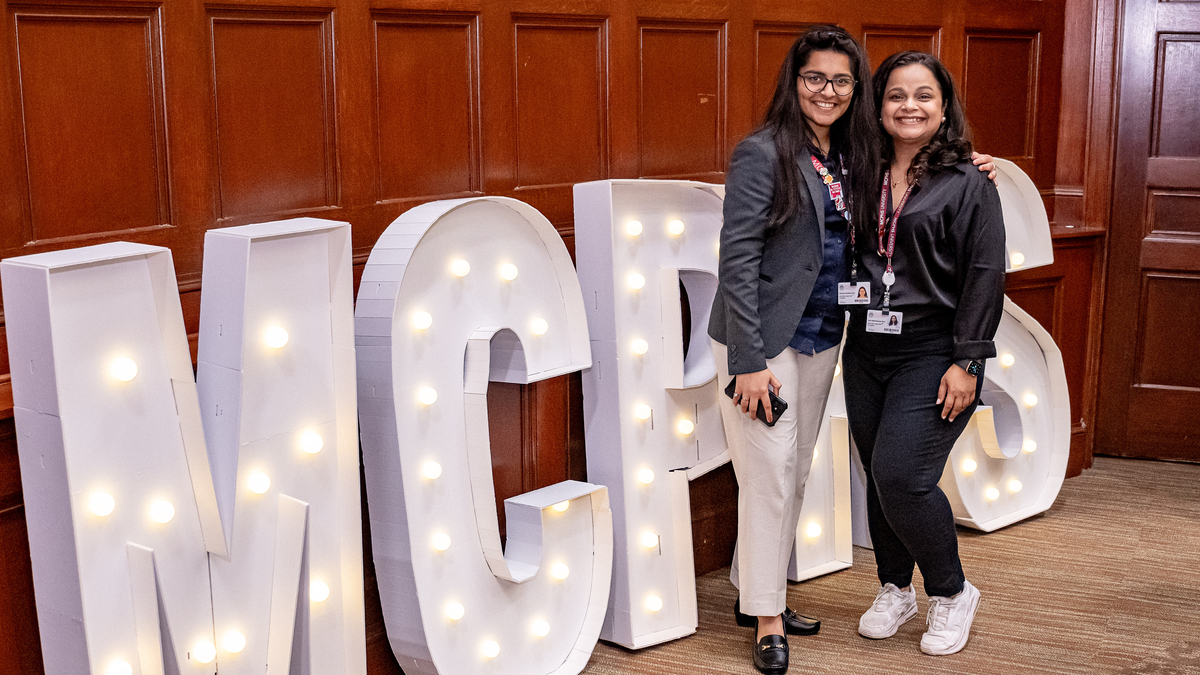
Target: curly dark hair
[
  {"x": 855, "y": 133},
  {"x": 951, "y": 144}
]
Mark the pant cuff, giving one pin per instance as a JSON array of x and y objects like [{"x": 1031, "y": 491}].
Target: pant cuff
[{"x": 897, "y": 581}]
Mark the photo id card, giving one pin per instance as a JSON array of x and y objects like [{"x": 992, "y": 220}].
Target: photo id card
[
  {"x": 854, "y": 294},
  {"x": 884, "y": 322}
]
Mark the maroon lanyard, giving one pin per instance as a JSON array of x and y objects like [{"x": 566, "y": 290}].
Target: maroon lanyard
[
  {"x": 839, "y": 195},
  {"x": 889, "y": 277}
]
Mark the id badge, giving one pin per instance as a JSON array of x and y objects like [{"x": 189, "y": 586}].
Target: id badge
[
  {"x": 854, "y": 294},
  {"x": 884, "y": 322}
]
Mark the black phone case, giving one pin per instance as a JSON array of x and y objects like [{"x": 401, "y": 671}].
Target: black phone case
[{"x": 778, "y": 405}]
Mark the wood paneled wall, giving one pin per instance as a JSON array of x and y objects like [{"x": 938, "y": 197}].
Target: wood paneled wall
[{"x": 155, "y": 121}]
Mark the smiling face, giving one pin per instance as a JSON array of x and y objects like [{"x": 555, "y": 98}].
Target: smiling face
[
  {"x": 912, "y": 107},
  {"x": 821, "y": 109}
]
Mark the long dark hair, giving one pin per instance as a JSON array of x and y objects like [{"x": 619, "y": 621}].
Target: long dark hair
[
  {"x": 952, "y": 142},
  {"x": 855, "y": 133}
]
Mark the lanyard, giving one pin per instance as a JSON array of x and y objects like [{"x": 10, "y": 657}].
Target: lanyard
[
  {"x": 889, "y": 277},
  {"x": 841, "y": 202}
]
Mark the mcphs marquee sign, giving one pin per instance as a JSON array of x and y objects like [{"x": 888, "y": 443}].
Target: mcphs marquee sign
[{"x": 185, "y": 525}]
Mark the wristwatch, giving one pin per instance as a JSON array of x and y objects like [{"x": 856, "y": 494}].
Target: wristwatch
[{"x": 972, "y": 366}]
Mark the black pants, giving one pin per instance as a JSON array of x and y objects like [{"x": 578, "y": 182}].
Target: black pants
[{"x": 891, "y": 392}]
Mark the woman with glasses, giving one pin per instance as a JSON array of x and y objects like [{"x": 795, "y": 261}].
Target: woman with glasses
[
  {"x": 913, "y": 363},
  {"x": 791, "y": 191}
]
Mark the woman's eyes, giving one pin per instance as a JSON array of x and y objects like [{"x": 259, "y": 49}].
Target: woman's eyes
[{"x": 920, "y": 97}]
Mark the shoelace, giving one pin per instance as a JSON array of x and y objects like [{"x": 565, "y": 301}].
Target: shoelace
[
  {"x": 938, "y": 614},
  {"x": 884, "y": 598}
]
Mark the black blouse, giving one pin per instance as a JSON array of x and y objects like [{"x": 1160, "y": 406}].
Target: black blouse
[{"x": 949, "y": 262}]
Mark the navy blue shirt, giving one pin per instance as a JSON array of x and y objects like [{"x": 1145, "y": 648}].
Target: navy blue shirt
[{"x": 821, "y": 326}]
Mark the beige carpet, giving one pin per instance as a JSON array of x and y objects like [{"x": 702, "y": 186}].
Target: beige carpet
[{"x": 1107, "y": 581}]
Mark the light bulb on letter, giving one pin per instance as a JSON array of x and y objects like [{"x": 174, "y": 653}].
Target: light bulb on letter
[
  {"x": 124, "y": 370},
  {"x": 635, "y": 281},
  {"x": 318, "y": 591},
  {"x": 422, "y": 320},
  {"x": 1031, "y": 400},
  {"x": 560, "y": 571},
  {"x": 460, "y": 268},
  {"x": 427, "y": 396},
  {"x": 204, "y": 651},
  {"x": 1029, "y": 445},
  {"x": 258, "y": 483},
  {"x": 1017, "y": 258},
  {"x": 508, "y": 271},
  {"x": 441, "y": 541},
  {"x": 969, "y": 465},
  {"x": 432, "y": 470},
  {"x": 649, "y": 540},
  {"x": 276, "y": 337},
  {"x": 1014, "y": 485},
  {"x": 455, "y": 611},
  {"x": 541, "y": 628},
  {"x": 675, "y": 227},
  {"x": 311, "y": 442},
  {"x": 685, "y": 427},
  {"x": 491, "y": 649},
  {"x": 162, "y": 512},
  {"x": 1007, "y": 360},
  {"x": 813, "y": 530},
  {"x": 118, "y": 667},
  {"x": 101, "y": 503},
  {"x": 539, "y": 326},
  {"x": 642, "y": 411},
  {"x": 654, "y": 603},
  {"x": 233, "y": 642},
  {"x": 992, "y": 494},
  {"x": 640, "y": 346},
  {"x": 645, "y": 476},
  {"x": 633, "y": 228}
]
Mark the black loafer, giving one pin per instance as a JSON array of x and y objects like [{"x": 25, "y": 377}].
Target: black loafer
[
  {"x": 771, "y": 655},
  {"x": 793, "y": 623}
]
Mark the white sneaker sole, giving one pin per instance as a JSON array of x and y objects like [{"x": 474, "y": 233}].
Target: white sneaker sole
[
  {"x": 890, "y": 630},
  {"x": 966, "y": 635}
]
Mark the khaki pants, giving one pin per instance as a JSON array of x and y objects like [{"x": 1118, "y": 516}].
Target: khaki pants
[{"x": 772, "y": 465}]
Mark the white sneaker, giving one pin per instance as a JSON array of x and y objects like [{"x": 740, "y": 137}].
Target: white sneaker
[
  {"x": 949, "y": 621},
  {"x": 891, "y": 609}
]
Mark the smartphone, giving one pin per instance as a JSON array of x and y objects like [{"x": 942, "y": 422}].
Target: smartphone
[{"x": 778, "y": 405}]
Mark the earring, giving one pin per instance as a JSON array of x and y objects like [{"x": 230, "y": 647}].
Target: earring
[{"x": 943, "y": 119}]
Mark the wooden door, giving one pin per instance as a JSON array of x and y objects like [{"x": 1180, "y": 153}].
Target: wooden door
[{"x": 1149, "y": 402}]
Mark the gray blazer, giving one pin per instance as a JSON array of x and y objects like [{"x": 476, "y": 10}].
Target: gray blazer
[{"x": 765, "y": 277}]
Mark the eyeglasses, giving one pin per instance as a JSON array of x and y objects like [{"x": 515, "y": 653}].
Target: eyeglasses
[{"x": 816, "y": 83}]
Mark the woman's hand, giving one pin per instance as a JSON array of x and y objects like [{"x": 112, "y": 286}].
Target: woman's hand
[
  {"x": 985, "y": 163},
  {"x": 752, "y": 388},
  {"x": 957, "y": 390}
]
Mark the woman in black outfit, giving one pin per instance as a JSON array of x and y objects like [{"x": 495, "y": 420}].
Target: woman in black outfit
[{"x": 914, "y": 357}]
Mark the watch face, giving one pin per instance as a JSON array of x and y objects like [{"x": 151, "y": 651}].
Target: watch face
[{"x": 973, "y": 368}]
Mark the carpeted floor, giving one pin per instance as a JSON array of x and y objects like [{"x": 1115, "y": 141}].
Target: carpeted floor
[{"x": 1107, "y": 581}]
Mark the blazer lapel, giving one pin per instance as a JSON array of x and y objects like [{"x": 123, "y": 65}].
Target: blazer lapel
[{"x": 815, "y": 188}]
